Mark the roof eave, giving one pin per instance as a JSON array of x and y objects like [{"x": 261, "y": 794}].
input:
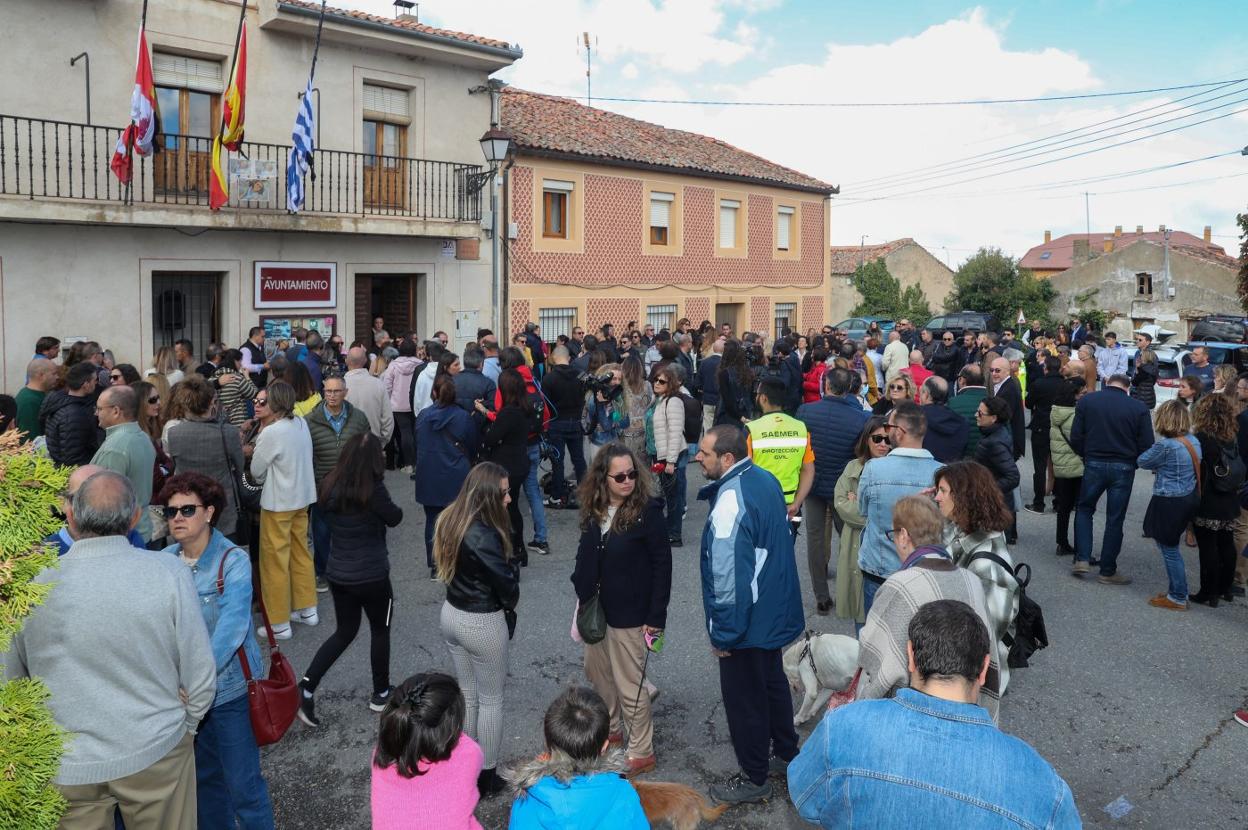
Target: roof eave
[
  {"x": 541, "y": 152},
  {"x": 510, "y": 54}
]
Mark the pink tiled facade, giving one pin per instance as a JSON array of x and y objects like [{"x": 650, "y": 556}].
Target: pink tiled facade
[
  {"x": 519, "y": 314},
  {"x": 760, "y": 314},
  {"x": 812, "y": 313},
  {"x": 614, "y": 310},
  {"x": 697, "y": 309}
]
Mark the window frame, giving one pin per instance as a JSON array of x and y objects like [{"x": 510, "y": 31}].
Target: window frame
[
  {"x": 549, "y": 200},
  {"x": 791, "y": 307},
  {"x": 668, "y": 310},
  {"x": 1143, "y": 279},
  {"x": 569, "y": 181},
  {"x": 740, "y": 246},
  {"x": 553, "y": 325}
]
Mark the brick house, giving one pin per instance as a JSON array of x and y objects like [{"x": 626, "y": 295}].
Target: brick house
[{"x": 612, "y": 219}]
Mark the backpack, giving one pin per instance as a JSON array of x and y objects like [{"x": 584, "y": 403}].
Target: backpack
[
  {"x": 1228, "y": 471},
  {"x": 693, "y": 418},
  {"x": 1030, "y": 634}
]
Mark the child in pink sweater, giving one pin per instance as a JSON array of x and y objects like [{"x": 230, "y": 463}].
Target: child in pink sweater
[{"x": 424, "y": 768}]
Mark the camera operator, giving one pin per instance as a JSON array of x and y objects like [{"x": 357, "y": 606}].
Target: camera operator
[
  {"x": 789, "y": 372},
  {"x": 565, "y": 389}
]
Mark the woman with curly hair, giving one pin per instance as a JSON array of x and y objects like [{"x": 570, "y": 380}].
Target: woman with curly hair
[
  {"x": 624, "y": 557},
  {"x": 977, "y": 519},
  {"x": 1213, "y": 421}
]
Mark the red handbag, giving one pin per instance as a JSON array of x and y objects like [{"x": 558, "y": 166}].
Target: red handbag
[{"x": 272, "y": 702}]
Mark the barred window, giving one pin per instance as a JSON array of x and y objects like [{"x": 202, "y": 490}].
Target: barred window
[
  {"x": 661, "y": 317},
  {"x": 556, "y": 321},
  {"x": 786, "y": 315}
]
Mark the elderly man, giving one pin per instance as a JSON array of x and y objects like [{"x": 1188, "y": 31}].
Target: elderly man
[
  {"x": 1004, "y": 385},
  {"x": 122, "y": 646},
  {"x": 331, "y": 426},
  {"x": 368, "y": 394},
  {"x": 126, "y": 448},
  {"x": 896, "y": 356},
  {"x": 41, "y": 376},
  {"x": 947, "y": 431},
  {"x": 64, "y": 538},
  {"x": 753, "y": 606}
]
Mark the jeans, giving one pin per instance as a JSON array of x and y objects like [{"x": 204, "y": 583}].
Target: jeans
[
  {"x": 1175, "y": 571},
  {"x": 405, "y": 426},
  {"x": 674, "y": 496},
  {"x": 229, "y": 785},
  {"x": 431, "y": 519},
  {"x": 869, "y": 587},
  {"x": 533, "y": 493},
  {"x": 1114, "y": 479},
  {"x": 376, "y": 601},
  {"x": 568, "y": 440},
  {"x": 320, "y": 540}
]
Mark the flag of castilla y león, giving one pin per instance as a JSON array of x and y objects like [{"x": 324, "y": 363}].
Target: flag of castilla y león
[
  {"x": 231, "y": 135},
  {"x": 140, "y": 134}
]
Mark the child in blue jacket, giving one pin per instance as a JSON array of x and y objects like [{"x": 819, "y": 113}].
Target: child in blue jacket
[{"x": 578, "y": 783}]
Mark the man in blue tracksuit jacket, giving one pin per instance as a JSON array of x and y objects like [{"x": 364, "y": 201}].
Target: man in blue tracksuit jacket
[{"x": 753, "y": 606}]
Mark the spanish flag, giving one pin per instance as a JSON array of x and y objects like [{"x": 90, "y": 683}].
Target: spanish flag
[
  {"x": 231, "y": 135},
  {"x": 140, "y": 134}
]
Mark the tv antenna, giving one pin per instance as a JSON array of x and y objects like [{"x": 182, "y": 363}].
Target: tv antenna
[{"x": 589, "y": 97}]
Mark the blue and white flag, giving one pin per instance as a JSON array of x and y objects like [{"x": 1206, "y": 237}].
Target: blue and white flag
[{"x": 301, "y": 151}]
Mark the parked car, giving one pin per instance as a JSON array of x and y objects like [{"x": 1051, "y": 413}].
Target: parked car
[
  {"x": 1220, "y": 352},
  {"x": 961, "y": 321},
  {"x": 856, "y": 327},
  {"x": 1220, "y": 328},
  {"x": 1170, "y": 365}
]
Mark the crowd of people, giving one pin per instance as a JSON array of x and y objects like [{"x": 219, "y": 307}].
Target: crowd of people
[{"x": 258, "y": 475}]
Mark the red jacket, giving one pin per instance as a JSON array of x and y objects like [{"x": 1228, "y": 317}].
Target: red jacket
[
  {"x": 812, "y": 383},
  {"x": 531, "y": 388},
  {"x": 918, "y": 374}
]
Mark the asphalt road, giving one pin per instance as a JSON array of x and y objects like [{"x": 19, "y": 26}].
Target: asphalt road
[{"x": 1129, "y": 702}]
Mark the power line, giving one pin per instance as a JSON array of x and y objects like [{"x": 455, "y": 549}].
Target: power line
[
  {"x": 1068, "y": 144},
  {"x": 880, "y": 180},
  {"x": 954, "y": 103}
]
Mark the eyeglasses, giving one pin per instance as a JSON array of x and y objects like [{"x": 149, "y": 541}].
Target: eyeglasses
[
  {"x": 891, "y": 535},
  {"x": 155, "y": 399},
  {"x": 261, "y": 401},
  {"x": 982, "y": 414},
  {"x": 897, "y": 387},
  {"x": 996, "y": 371},
  {"x": 186, "y": 510},
  {"x": 879, "y": 439},
  {"x": 115, "y": 376},
  {"x": 620, "y": 478},
  {"x": 660, "y": 382},
  {"x": 898, "y": 427}
]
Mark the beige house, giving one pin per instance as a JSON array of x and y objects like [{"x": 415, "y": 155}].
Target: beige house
[
  {"x": 393, "y": 219},
  {"x": 1172, "y": 285},
  {"x": 908, "y": 261},
  {"x": 1056, "y": 255},
  {"x": 615, "y": 220}
]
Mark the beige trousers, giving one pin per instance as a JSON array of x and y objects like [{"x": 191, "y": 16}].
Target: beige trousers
[
  {"x": 613, "y": 667},
  {"x": 157, "y": 798}
]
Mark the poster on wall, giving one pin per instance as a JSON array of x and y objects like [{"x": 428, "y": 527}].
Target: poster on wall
[
  {"x": 277, "y": 329},
  {"x": 296, "y": 285}
]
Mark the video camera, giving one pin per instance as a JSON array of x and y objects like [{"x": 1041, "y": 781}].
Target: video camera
[{"x": 600, "y": 384}]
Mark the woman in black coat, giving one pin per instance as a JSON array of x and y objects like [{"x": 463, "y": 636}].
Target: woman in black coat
[
  {"x": 1213, "y": 421},
  {"x": 1144, "y": 381},
  {"x": 996, "y": 452},
  {"x": 358, "y": 509},
  {"x": 504, "y": 440},
  {"x": 624, "y": 557},
  {"x": 736, "y": 387}
]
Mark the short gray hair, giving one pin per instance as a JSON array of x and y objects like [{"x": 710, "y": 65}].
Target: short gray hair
[
  {"x": 473, "y": 357},
  {"x": 104, "y": 506},
  {"x": 937, "y": 389}
]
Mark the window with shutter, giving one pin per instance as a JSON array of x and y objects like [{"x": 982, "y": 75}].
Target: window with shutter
[
  {"x": 187, "y": 73},
  {"x": 383, "y": 103},
  {"x": 661, "y": 316},
  {"x": 728, "y": 209},
  {"x": 660, "y": 217},
  {"x": 786, "y": 315},
  {"x": 784, "y": 228}
]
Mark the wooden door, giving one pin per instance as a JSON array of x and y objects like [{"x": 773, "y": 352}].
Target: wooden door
[
  {"x": 187, "y": 119},
  {"x": 385, "y": 170}
]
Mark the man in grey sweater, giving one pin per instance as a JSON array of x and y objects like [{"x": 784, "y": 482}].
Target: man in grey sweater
[{"x": 122, "y": 646}]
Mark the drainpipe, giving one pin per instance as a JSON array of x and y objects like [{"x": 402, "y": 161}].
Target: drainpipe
[{"x": 496, "y": 271}]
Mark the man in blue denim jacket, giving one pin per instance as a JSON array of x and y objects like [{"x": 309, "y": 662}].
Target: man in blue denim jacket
[
  {"x": 929, "y": 757},
  {"x": 905, "y": 471}
]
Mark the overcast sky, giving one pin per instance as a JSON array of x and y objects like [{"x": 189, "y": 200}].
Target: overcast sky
[{"x": 923, "y": 50}]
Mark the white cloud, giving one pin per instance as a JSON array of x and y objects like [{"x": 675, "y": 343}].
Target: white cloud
[{"x": 630, "y": 71}]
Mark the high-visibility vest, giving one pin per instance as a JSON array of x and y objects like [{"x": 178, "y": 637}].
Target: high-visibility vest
[{"x": 779, "y": 443}]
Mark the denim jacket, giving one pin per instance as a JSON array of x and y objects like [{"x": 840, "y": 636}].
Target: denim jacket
[
  {"x": 227, "y": 615},
  {"x": 903, "y": 472},
  {"x": 885, "y": 763},
  {"x": 1172, "y": 464}
]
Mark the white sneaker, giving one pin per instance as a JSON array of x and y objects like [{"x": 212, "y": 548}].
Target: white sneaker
[
  {"x": 307, "y": 616},
  {"x": 280, "y": 632}
]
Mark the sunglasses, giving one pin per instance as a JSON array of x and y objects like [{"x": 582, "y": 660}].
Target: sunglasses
[
  {"x": 115, "y": 376},
  {"x": 261, "y": 401},
  {"x": 879, "y": 439},
  {"x": 155, "y": 399},
  {"x": 660, "y": 382},
  {"x": 947, "y": 339},
  {"x": 620, "y": 478},
  {"x": 187, "y": 511},
  {"x": 897, "y": 388}
]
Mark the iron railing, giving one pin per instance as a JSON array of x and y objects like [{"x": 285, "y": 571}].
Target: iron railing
[{"x": 42, "y": 159}]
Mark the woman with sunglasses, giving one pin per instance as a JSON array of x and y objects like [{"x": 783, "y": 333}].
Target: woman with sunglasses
[
  {"x": 472, "y": 549},
  {"x": 900, "y": 388},
  {"x": 123, "y": 373},
  {"x": 282, "y": 464},
  {"x": 358, "y": 509},
  {"x": 200, "y": 443},
  {"x": 669, "y": 447},
  {"x": 623, "y": 557},
  {"x": 152, "y": 424},
  {"x": 872, "y": 443},
  {"x": 231, "y": 790}
]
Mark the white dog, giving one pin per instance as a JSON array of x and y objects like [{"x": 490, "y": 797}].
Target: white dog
[{"x": 819, "y": 665}]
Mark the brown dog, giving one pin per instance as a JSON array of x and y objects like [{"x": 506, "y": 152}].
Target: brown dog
[{"x": 684, "y": 808}]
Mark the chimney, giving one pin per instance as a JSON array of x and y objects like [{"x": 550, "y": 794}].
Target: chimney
[
  {"x": 1161, "y": 229},
  {"x": 1139, "y": 229},
  {"x": 1208, "y": 233},
  {"x": 1048, "y": 237},
  {"x": 1117, "y": 231},
  {"x": 1107, "y": 244},
  {"x": 1081, "y": 251}
]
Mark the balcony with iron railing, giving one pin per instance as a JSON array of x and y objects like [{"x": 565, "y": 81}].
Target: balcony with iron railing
[{"x": 59, "y": 169}]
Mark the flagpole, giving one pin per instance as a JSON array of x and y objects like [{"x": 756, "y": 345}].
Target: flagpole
[
  {"x": 242, "y": 17},
  {"x": 129, "y": 200}
]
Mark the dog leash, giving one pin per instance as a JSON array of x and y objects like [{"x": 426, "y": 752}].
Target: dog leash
[
  {"x": 806, "y": 654},
  {"x": 645, "y": 663}
]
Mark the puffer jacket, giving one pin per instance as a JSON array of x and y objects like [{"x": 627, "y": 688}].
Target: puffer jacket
[
  {"x": 834, "y": 424},
  {"x": 68, "y": 422},
  {"x": 1066, "y": 462},
  {"x": 812, "y": 383},
  {"x": 1144, "y": 384},
  {"x": 555, "y": 790},
  {"x": 669, "y": 428},
  {"x": 358, "y": 551},
  {"x": 397, "y": 380},
  {"x": 996, "y": 452},
  {"x": 484, "y": 582},
  {"x": 326, "y": 444}
]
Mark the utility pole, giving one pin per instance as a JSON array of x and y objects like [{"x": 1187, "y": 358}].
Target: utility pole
[
  {"x": 589, "y": 98},
  {"x": 1087, "y": 216}
]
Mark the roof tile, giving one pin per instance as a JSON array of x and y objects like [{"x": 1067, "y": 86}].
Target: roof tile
[
  {"x": 409, "y": 25},
  {"x": 561, "y": 125},
  {"x": 845, "y": 259},
  {"x": 1061, "y": 251}
]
